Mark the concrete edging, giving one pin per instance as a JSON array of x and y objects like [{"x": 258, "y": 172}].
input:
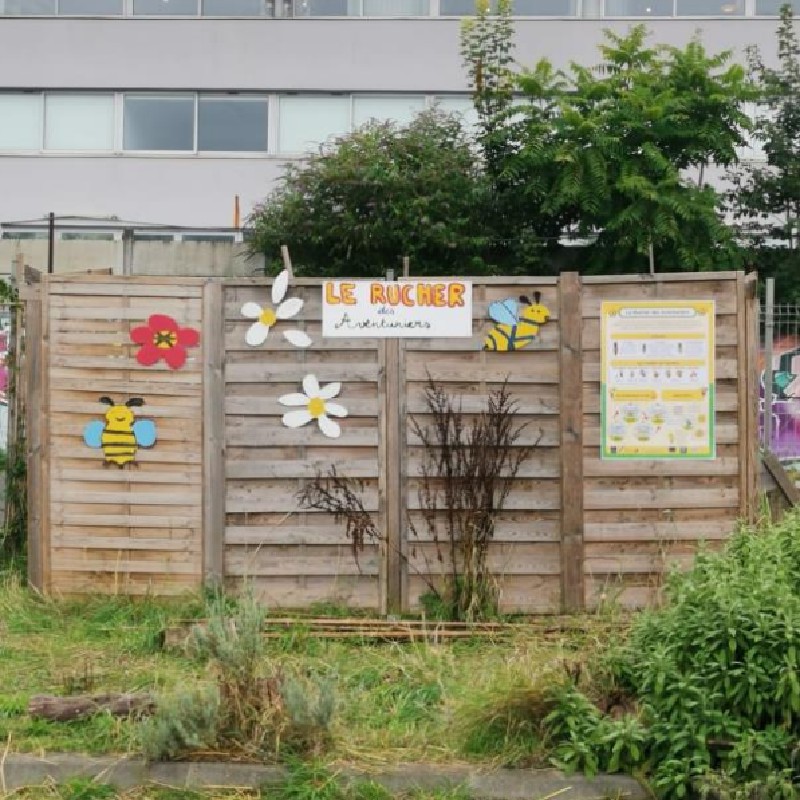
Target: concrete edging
[{"x": 20, "y": 770}]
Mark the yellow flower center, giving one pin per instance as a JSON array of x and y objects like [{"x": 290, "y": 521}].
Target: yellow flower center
[
  {"x": 165, "y": 339},
  {"x": 316, "y": 407},
  {"x": 268, "y": 317}
]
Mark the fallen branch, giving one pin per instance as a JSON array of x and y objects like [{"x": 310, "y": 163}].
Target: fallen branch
[{"x": 64, "y": 709}]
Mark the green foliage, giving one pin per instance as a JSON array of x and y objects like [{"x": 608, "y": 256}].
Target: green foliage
[
  {"x": 715, "y": 674},
  {"x": 376, "y": 195},
  {"x": 183, "y": 722},
  {"x": 766, "y": 199},
  {"x": 255, "y": 709},
  {"x": 86, "y": 789},
  {"x": 607, "y": 148}
]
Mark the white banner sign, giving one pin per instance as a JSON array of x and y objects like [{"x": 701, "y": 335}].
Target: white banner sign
[{"x": 389, "y": 309}]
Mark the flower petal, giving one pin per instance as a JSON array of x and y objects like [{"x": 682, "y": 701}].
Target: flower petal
[
  {"x": 330, "y": 390},
  {"x": 142, "y": 335},
  {"x": 288, "y": 308},
  {"x": 311, "y": 386},
  {"x": 297, "y": 338},
  {"x": 188, "y": 337},
  {"x": 293, "y": 400},
  {"x": 330, "y": 428},
  {"x": 149, "y": 354},
  {"x": 161, "y": 322},
  {"x": 175, "y": 357},
  {"x": 279, "y": 287},
  {"x": 296, "y": 419},
  {"x": 257, "y": 334},
  {"x": 335, "y": 410},
  {"x": 251, "y": 310}
]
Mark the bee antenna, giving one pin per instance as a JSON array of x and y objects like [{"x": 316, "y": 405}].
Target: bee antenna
[
  {"x": 135, "y": 401},
  {"x": 537, "y": 297},
  {"x": 107, "y": 400},
  {"x": 524, "y": 299}
]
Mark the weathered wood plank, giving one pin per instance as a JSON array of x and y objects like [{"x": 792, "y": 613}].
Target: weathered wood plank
[{"x": 571, "y": 435}]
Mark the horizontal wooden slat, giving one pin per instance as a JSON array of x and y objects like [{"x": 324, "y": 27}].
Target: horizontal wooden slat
[{"x": 634, "y": 499}]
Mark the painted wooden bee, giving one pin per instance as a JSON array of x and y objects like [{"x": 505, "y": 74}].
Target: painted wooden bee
[
  {"x": 516, "y": 323},
  {"x": 120, "y": 435}
]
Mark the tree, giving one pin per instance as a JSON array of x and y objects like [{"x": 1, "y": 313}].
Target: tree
[
  {"x": 766, "y": 200},
  {"x": 376, "y": 195},
  {"x": 625, "y": 137},
  {"x": 615, "y": 153}
]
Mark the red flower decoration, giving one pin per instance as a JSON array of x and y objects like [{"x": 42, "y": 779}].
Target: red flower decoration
[{"x": 162, "y": 337}]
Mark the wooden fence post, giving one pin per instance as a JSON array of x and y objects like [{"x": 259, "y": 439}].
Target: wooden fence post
[
  {"x": 571, "y": 439},
  {"x": 748, "y": 366},
  {"x": 213, "y": 433}
]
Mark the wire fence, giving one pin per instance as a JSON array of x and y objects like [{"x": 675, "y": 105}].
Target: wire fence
[{"x": 779, "y": 415}]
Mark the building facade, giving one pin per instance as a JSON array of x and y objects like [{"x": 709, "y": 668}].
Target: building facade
[{"x": 164, "y": 111}]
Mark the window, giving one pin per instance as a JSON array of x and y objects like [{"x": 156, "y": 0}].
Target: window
[
  {"x": 239, "y": 8},
  {"x": 86, "y": 236},
  {"x": 639, "y": 8},
  {"x": 232, "y": 124},
  {"x": 396, "y": 8},
  {"x": 461, "y": 105},
  {"x": 79, "y": 122},
  {"x": 28, "y": 7},
  {"x": 397, "y": 109},
  {"x": 709, "y": 8},
  {"x": 326, "y": 8},
  {"x": 208, "y": 238},
  {"x": 158, "y": 122},
  {"x": 772, "y": 8},
  {"x": 459, "y": 8},
  {"x": 20, "y": 121},
  {"x": 165, "y": 7},
  {"x": 98, "y": 8},
  {"x": 307, "y": 122},
  {"x": 546, "y": 8}
]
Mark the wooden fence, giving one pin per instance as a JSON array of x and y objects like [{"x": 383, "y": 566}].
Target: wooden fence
[{"x": 215, "y": 499}]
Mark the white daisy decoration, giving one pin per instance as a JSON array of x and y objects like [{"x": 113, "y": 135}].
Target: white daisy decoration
[
  {"x": 266, "y": 316},
  {"x": 314, "y": 404}
]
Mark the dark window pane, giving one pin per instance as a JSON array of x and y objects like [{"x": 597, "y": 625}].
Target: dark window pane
[
  {"x": 32, "y": 7},
  {"x": 232, "y": 124},
  {"x": 396, "y": 8},
  {"x": 158, "y": 123},
  {"x": 323, "y": 8},
  {"x": 639, "y": 8},
  {"x": 239, "y": 8},
  {"x": 165, "y": 7},
  {"x": 772, "y": 8},
  {"x": 90, "y": 7},
  {"x": 546, "y": 8},
  {"x": 459, "y": 8},
  {"x": 710, "y": 8}
]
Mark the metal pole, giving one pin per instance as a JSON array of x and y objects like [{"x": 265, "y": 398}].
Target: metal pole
[
  {"x": 51, "y": 242},
  {"x": 769, "y": 335},
  {"x": 127, "y": 251},
  {"x": 652, "y": 259}
]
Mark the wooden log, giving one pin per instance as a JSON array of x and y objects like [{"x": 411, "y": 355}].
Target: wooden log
[{"x": 64, "y": 709}]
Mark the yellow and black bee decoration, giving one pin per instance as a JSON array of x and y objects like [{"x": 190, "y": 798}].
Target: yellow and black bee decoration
[
  {"x": 121, "y": 434},
  {"x": 516, "y": 323}
]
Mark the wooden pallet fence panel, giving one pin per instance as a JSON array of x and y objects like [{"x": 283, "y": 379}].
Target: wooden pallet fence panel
[
  {"x": 137, "y": 528},
  {"x": 289, "y": 556},
  {"x": 642, "y": 517},
  {"x": 524, "y": 555}
]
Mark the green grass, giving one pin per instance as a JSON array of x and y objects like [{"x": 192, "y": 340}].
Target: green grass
[{"x": 395, "y": 702}]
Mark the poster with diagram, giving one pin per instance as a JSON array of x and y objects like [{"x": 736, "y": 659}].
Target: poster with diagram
[{"x": 657, "y": 380}]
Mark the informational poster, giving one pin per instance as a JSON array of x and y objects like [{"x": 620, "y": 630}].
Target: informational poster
[
  {"x": 658, "y": 380},
  {"x": 408, "y": 309}
]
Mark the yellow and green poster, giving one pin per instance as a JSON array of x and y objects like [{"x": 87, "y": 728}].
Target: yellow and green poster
[{"x": 657, "y": 380}]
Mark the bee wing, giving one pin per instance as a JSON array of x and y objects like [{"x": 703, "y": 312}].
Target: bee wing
[
  {"x": 93, "y": 433},
  {"x": 145, "y": 432},
  {"x": 505, "y": 311}
]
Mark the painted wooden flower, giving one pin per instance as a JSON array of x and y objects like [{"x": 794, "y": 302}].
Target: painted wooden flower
[
  {"x": 266, "y": 316},
  {"x": 314, "y": 404},
  {"x": 163, "y": 338}
]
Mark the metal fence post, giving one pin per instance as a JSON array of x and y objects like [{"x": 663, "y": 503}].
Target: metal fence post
[{"x": 769, "y": 335}]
